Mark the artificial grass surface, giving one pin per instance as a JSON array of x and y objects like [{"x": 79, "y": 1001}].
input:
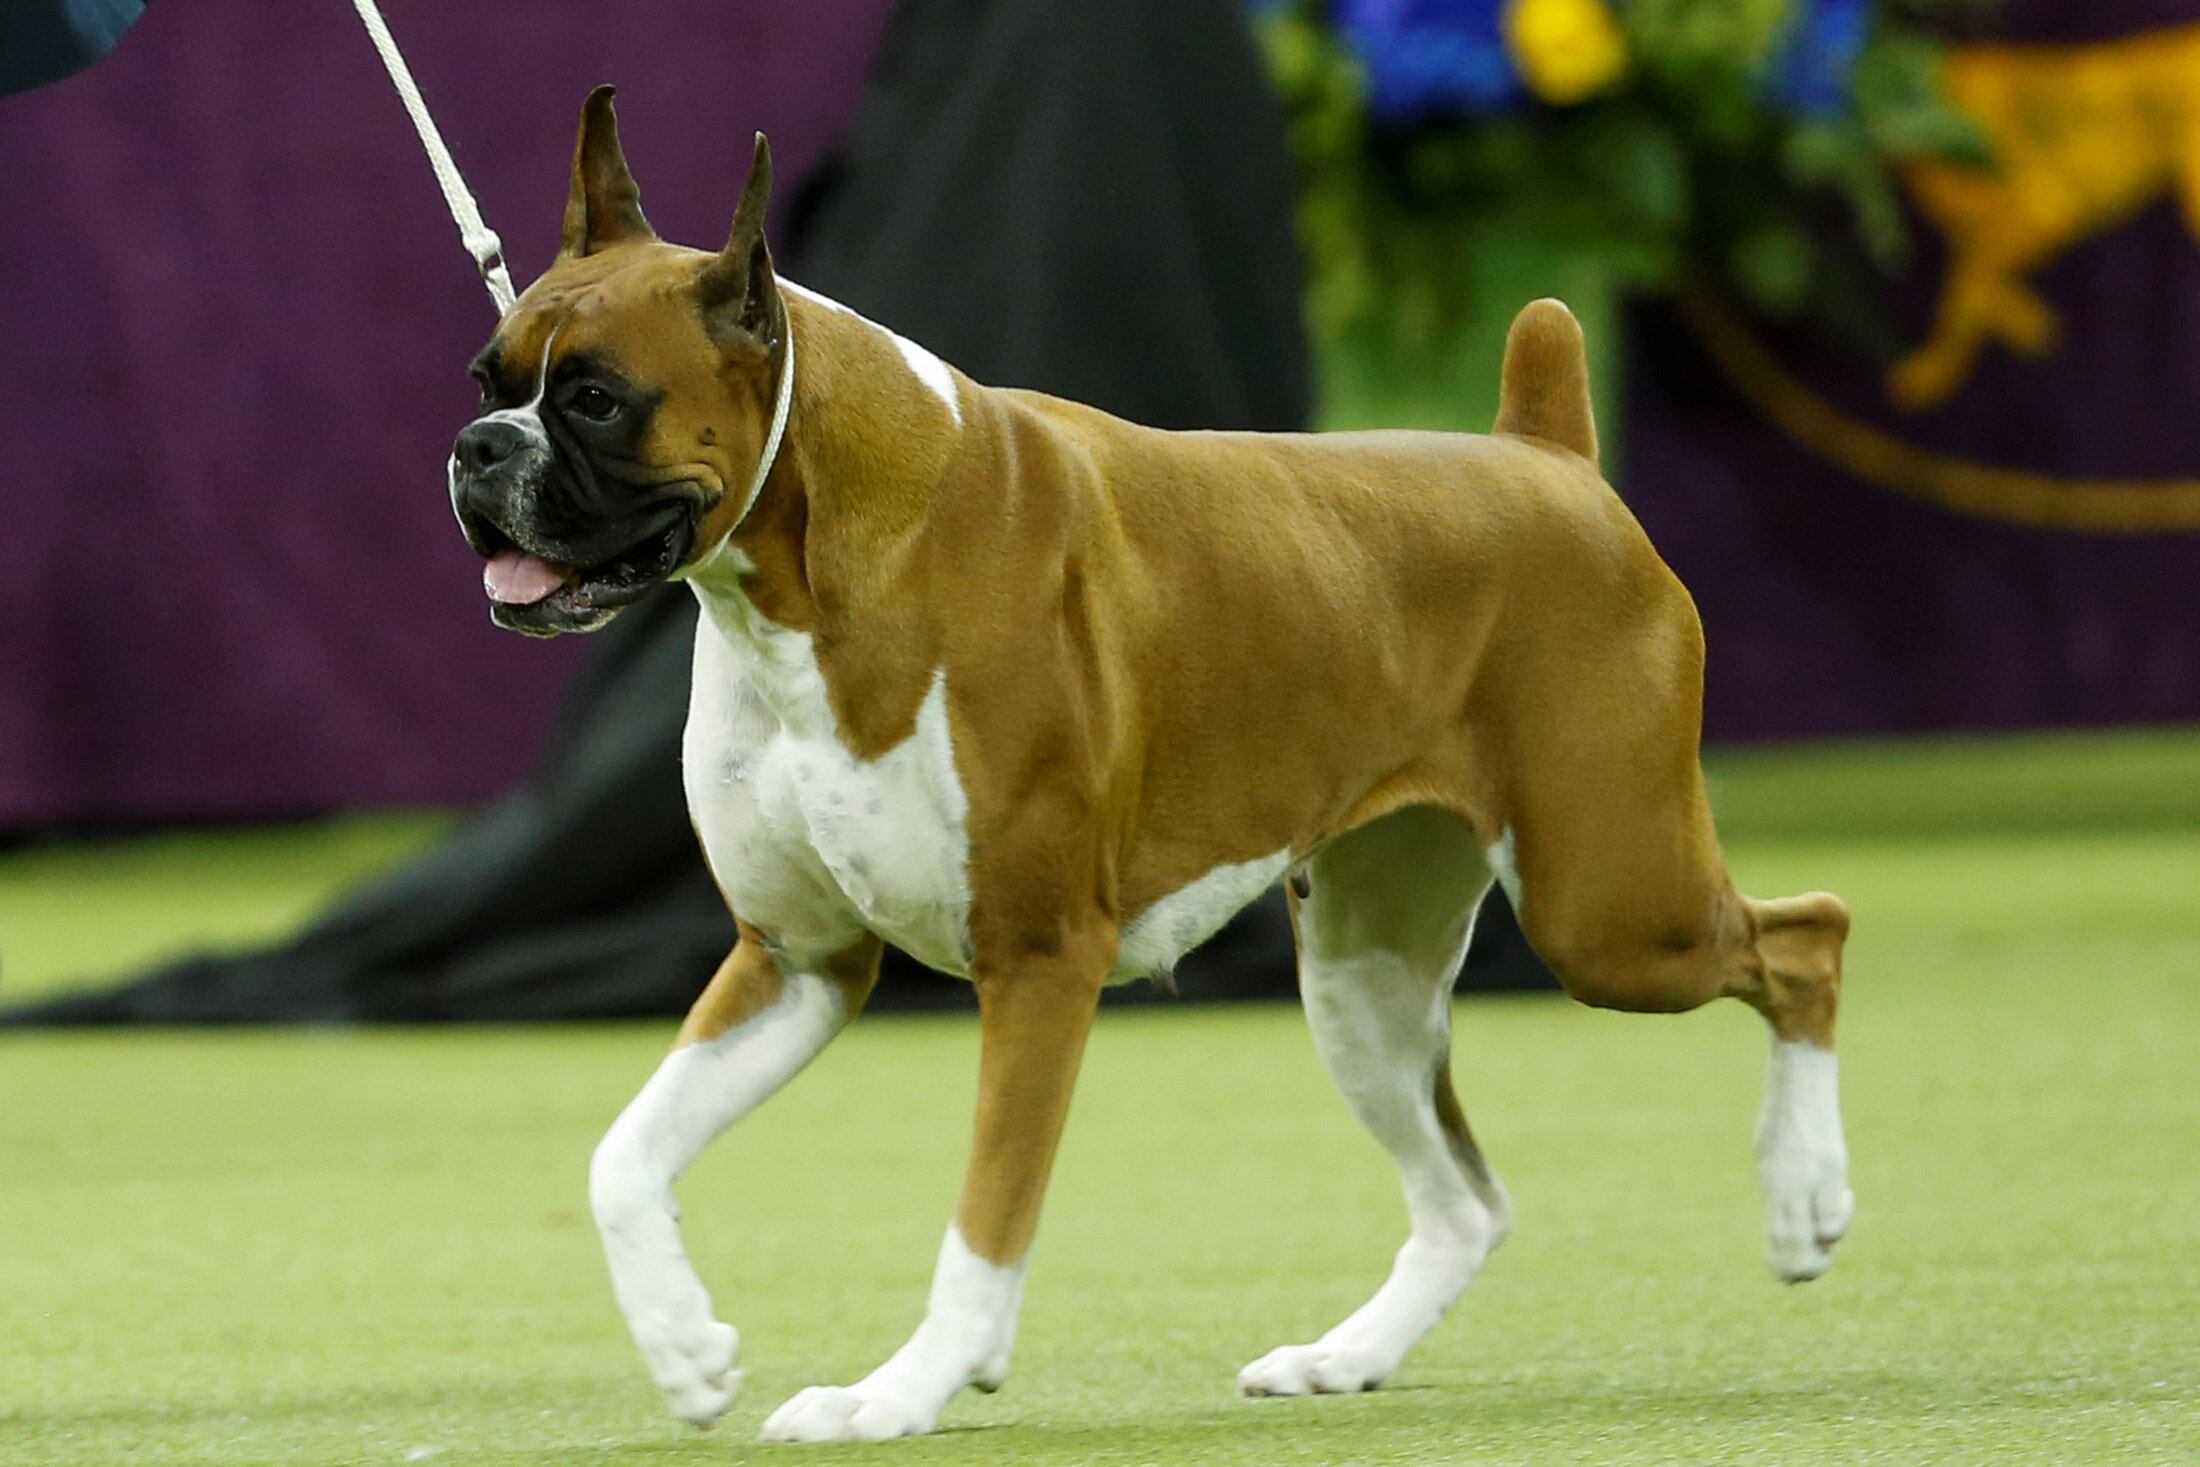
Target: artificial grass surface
[
  {"x": 76, "y": 914},
  {"x": 373, "y": 1247},
  {"x": 80, "y": 912}
]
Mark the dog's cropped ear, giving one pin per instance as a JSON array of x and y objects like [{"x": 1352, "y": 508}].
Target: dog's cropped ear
[
  {"x": 605, "y": 205},
  {"x": 739, "y": 289}
]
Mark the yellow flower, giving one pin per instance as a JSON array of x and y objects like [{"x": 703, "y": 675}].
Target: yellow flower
[{"x": 1567, "y": 50}]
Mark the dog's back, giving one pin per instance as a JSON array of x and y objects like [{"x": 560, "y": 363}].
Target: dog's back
[{"x": 1329, "y": 609}]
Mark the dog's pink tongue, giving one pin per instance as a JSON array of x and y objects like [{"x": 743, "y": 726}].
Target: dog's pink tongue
[{"x": 516, "y": 578}]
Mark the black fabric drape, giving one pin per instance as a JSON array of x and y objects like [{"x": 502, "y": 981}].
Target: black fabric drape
[
  {"x": 1092, "y": 200},
  {"x": 43, "y": 41}
]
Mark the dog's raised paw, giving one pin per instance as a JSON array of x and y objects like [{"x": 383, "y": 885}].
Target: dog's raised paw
[
  {"x": 1803, "y": 1224},
  {"x": 1803, "y": 1162},
  {"x": 1316, "y": 1369},
  {"x": 697, "y": 1372},
  {"x": 846, "y": 1414},
  {"x": 1808, "y": 1204}
]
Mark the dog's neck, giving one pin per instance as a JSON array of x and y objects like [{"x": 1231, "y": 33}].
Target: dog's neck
[
  {"x": 775, "y": 434},
  {"x": 874, "y": 424}
]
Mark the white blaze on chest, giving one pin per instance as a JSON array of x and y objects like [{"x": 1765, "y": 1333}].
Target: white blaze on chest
[
  {"x": 808, "y": 842},
  {"x": 815, "y": 846}
]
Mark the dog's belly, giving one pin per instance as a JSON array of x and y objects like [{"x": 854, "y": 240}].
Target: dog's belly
[
  {"x": 1188, "y": 916},
  {"x": 814, "y": 846}
]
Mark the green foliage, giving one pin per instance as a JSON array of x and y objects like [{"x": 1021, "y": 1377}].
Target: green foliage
[
  {"x": 1713, "y": 34},
  {"x": 1711, "y": 51},
  {"x": 1688, "y": 168},
  {"x": 1899, "y": 104}
]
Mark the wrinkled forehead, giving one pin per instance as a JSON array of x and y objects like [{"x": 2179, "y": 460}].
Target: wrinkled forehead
[{"x": 630, "y": 310}]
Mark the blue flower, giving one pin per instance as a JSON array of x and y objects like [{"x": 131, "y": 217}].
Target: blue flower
[
  {"x": 1811, "y": 72},
  {"x": 1430, "y": 58}
]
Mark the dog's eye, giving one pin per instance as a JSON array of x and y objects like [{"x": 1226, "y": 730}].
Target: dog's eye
[{"x": 594, "y": 403}]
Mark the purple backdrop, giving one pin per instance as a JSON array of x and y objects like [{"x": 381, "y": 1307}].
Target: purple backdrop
[
  {"x": 237, "y": 321},
  {"x": 1834, "y": 605}
]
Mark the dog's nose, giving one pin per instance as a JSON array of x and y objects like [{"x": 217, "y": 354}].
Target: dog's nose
[{"x": 485, "y": 444}]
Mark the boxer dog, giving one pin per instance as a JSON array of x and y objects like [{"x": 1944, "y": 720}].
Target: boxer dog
[{"x": 1043, "y": 697}]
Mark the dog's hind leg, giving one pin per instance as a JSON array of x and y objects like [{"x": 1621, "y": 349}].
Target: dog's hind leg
[
  {"x": 1612, "y": 864},
  {"x": 752, "y": 1030},
  {"x": 1381, "y": 933}
]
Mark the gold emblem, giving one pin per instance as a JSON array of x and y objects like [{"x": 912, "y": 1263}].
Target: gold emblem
[{"x": 2083, "y": 137}]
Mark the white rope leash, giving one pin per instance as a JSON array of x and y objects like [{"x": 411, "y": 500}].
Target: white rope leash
[{"x": 480, "y": 240}]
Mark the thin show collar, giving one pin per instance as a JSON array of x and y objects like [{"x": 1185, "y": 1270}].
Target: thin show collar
[
  {"x": 782, "y": 407},
  {"x": 780, "y": 410}
]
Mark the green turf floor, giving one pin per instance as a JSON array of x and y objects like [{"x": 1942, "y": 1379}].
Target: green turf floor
[
  {"x": 332, "y": 1248},
  {"x": 77, "y": 912}
]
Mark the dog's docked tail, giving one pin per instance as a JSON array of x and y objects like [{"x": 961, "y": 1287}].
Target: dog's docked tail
[{"x": 1545, "y": 390}]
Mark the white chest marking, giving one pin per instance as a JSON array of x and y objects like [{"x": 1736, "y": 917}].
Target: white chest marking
[
  {"x": 810, "y": 843},
  {"x": 815, "y": 846},
  {"x": 929, "y": 369}
]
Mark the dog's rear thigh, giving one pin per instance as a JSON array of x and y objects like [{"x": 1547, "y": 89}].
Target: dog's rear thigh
[{"x": 1619, "y": 883}]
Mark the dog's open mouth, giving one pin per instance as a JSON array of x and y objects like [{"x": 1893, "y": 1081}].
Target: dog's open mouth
[{"x": 531, "y": 593}]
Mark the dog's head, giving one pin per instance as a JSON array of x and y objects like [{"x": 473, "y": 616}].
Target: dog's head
[{"x": 626, "y": 402}]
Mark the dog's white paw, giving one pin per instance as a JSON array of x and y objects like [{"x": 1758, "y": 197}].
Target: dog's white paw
[
  {"x": 1803, "y": 1163},
  {"x": 695, "y": 1368},
  {"x": 1805, "y": 1217},
  {"x": 857, "y": 1413},
  {"x": 1319, "y": 1368}
]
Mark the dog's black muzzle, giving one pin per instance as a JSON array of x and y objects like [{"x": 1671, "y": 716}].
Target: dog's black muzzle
[{"x": 511, "y": 488}]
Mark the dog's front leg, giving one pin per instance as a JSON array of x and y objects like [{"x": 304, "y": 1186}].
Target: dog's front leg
[
  {"x": 753, "y": 1028},
  {"x": 1034, "y": 1017}
]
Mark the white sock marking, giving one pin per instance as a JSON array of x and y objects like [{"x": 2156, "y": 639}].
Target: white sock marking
[
  {"x": 697, "y": 1092},
  {"x": 1381, "y": 934},
  {"x": 1384, "y": 1063},
  {"x": 1803, "y": 1161},
  {"x": 968, "y": 1330}
]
